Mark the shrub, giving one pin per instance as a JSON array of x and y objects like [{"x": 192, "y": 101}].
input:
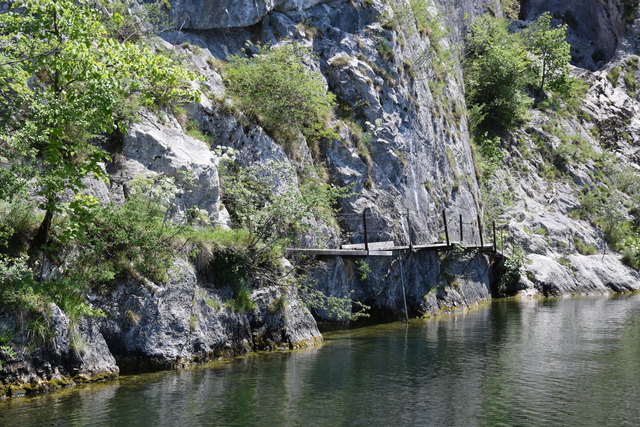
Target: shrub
[
  {"x": 584, "y": 248},
  {"x": 134, "y": 238},
  {"x": 276, "y": 87},
  {"x": 263, "y": 199},
  {"x": 614, "y": 75},
  {"x": 495, "y": 76}
]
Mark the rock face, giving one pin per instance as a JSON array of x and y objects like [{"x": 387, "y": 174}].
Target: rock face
[
  {"x": 208, "y": 14},
  {"x": 76, "y": 353},
  {"x": 582, "y": 275},
  {"x": 152, "y": 148},
  {"x": 156, "y": 326},
  {"x": 186, "y": 320},
  {"x": 595, "y": 27},
  {"x": 542, "y": 213},
  {"x": 429, "y": 284},
  {"x": 417, "y": 159}
]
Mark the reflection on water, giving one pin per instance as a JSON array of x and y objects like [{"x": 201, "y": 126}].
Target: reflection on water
[{"x": 551, "y": 362}]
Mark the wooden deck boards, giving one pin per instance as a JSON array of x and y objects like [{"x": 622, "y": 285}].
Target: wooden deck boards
[{"x": 384, "y": 250}]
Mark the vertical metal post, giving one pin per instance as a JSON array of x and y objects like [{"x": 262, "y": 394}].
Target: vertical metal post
[
  {"x": 404, "y": 295},
  {"x": 446, "y": 229},
  {"x": 480, "y": 231},
  {"x": 461, "y": 235},
  {"x": 364, "y": 228},
  {"x": 494, "y": 236},
  {"x": 409, "y": 229}
]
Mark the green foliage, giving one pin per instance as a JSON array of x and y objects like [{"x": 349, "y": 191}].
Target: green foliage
[
  {"x": 491, "y": 155},
  {"x": 21, "y": 294},
  {"x": 18, "y": 221},
  {"x": 509, "y": 270},
  {"x": 8, "y": 352},
  {"x": 68, "y": 79},
  {"x": 572, "y": 95},
  {"x": 363, "y": 269},
  {"x": 584, "y": 248},
  {"x": 501, "y": 66},
  {"x": 630, "y": 80},
  {"x": 495, "y": 74},
  {"x": 131, "y": 22},
  {"x": 134, "y": 238},
  {"x": 242, "y": 301},
  {"x": 614, "y": 75},
  {"x": 511, "y": 8},
  {"x": 552, "y": 54},
  {"x": 611, "y": 204},
  {"x": 17, "y": 285},
  {"x": 193, "y": 130},
  {"x": 278, "y": 89},
  {"x": 257, "y": 201},
  {"x": 272, "y": 212},
  {"x": 336, "y": 308},
  {"x": 107, "y": 242}
]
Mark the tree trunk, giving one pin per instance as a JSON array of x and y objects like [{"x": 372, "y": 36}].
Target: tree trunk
[{"x": 41, "y": 239}]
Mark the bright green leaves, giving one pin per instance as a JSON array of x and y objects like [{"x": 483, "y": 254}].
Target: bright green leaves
[
  {"x": 66, "y": 81},
  {"x": 551, "y": 53},
  {"x": 276, "y": 87},
  {"x": 496, "y": 76},
  {"x": 501, "y": 67}
]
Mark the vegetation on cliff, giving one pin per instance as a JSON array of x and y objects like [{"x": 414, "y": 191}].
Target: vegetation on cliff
[
  {"x": 75, "y": 75},
  {"x": 503, "y": 70},
  {"x": 291, "y": 101}
]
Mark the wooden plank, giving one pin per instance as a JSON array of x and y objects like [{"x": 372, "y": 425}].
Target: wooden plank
[
  {"x": 338, "y": 252},
  {"x": 327, "y": 252},
  {"x": 388, "y": 250},
  {"x": 380, "y": 253},
  {"x": 373, "y": 246}
]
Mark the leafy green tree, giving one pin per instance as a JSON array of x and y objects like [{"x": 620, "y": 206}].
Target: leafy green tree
[
  {"x": 281, "y": 92},
  {"x": 552, "y": 54},
  {"x": 495, "y": 74},
  {"x": 65, "y": 80}
]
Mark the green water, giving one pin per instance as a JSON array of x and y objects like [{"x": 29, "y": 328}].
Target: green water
[{"x": 552, "y": 362}]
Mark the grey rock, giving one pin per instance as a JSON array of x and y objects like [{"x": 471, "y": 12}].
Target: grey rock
[
  {"x": 211, "y": 14},
  {"x": 77, "y": 353},
  {"x": 187, "y": 320},
  {"x": 580, "y": 275},
  {"x": 156, "y": 148}
]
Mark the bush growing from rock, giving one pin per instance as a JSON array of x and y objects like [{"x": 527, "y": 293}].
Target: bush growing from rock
[{"x": 276, "y": 87}]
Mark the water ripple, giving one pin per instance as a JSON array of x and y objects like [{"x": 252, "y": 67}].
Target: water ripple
[{"x": 552, "y": 363}]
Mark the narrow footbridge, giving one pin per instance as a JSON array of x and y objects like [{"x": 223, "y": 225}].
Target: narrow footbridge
[{"x": 375, "y": 241}]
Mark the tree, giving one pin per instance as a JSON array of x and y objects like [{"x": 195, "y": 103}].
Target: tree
[
  {"x": 495, "y": 72},
  {"x": 65, "y": 80},
  {"x": 552, "y": 54}
]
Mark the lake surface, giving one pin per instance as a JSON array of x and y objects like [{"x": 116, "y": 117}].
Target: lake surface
[{"x": 544, "y": 362}]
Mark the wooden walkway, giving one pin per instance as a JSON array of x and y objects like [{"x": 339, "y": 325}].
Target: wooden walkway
[
  {"x": 387, "y": 251},
  {"x": 387, "y": 248}
]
